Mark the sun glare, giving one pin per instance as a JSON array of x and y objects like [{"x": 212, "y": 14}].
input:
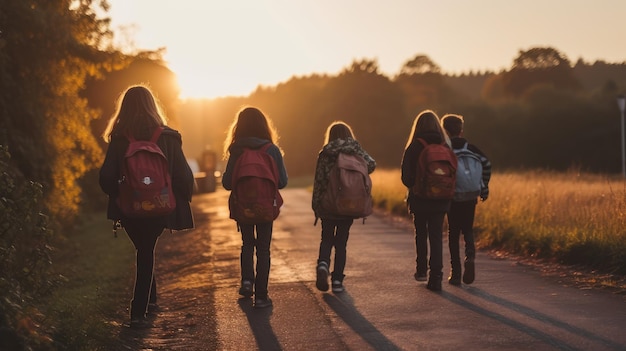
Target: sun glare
[{"x": 201, "y": 82}]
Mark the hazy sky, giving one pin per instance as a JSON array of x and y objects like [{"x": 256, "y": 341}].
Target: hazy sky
[{"x": 228, "y": 47}]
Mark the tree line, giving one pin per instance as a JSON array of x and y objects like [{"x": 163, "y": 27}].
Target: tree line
[
  {"x": 543, "y": 112},
  {"x": 60, "y": 75}
]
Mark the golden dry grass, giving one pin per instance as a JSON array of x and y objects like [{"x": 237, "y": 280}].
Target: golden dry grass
[{"x": 572, "y": 217}]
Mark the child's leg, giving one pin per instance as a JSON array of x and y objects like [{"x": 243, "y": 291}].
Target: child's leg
[
  {"x": 454, "y": 232},
  {"x": 466, "y": 221},
  {"x": 340, "y": 243},
  {"x": 263, "y": 261},
  {"x": 421, "y": 244}
]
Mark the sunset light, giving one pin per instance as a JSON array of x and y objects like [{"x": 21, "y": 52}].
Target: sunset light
[
  {"x": 230, "y": 47},
  {"x": 161, "y": 164}
]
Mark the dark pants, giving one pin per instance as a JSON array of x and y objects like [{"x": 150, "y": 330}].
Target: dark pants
[
  {"x": 262, "y": 244},
  {"x": 429, "y": 228},
  {"x": 461, "y": 221},
  {"x": 335, "y": 233},
  {"x": 144, "y": 234}
]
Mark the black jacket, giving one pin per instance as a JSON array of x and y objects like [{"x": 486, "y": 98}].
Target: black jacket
[
  {"x": 409, "y": 173},
  {"x": 170, "y": 143}
]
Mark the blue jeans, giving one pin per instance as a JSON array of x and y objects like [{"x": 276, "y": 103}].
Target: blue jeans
[
  {"x": 262, "y": 244},
  {"x": 429, "y": 228},
  {"x": 144, "y": 234},
  {"x": 335, "y": 233}
]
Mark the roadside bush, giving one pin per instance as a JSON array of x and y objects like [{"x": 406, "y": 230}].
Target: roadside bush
[{"x": 24, "y": 258}]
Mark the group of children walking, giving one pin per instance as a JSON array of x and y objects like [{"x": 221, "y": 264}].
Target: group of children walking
[
  {"x": 428, "y": 214},
  {"x": 138, "y": 115}
]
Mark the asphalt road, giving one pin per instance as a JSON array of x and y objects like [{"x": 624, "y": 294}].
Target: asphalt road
[{"x": 510, "y": 306}]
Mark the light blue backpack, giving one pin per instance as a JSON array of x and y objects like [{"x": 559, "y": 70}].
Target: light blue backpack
[{"x": 469, "y": 175}]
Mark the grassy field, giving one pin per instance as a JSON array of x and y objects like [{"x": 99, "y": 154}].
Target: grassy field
[
  {"x": 570, "y": 217},
  {"x": 97, "y": 272}
]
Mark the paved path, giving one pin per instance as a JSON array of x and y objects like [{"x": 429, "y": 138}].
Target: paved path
[{"x": 509, "y": 306}]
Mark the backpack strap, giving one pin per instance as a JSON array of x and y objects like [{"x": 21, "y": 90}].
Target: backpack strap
[
  {"x": 425, "y": 143},
  {"x": 276, "y": 172},
  {"x": 156, "y": 134},
  {"x": 266, "y": 146}
]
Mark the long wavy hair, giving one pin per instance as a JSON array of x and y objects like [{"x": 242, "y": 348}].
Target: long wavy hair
[
  {"x": 137, "y": 114},
  {"x": 250, "y": 122},
  {"x": 338, "y": 130},
  {"x": 426, "y": 121}
]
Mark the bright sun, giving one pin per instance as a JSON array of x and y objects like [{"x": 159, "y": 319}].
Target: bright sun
[{"x": 200, "y": 81}]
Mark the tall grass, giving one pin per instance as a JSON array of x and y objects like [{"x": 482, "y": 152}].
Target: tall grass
[
  {"x": 572, "y": 217},
  {"x": 388, "y": 191}
]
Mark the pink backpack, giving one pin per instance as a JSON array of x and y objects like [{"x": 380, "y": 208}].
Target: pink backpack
[
  {"x": 145, "y": 187},
  {"x": 436, "y": 172},
  {"x": 255, "y": 197}
]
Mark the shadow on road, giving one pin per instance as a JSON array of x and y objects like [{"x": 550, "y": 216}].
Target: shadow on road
[
  {"x": 542, "y": 317},
  {"x": 522, "y": 327},
  {"x": 344, "y": 308},
  {"x": 259, "y": 320}
]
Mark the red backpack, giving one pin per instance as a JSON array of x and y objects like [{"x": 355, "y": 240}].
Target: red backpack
[
  {"x": 349, "y": 190},
  {"x": 145, "y": 187},
  {"x": 255, "y": 197},
  {"x": 436, "y": 172}
]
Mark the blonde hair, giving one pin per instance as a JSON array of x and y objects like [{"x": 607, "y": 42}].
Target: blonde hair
[
  {"x": 427, "y": 121},
  {"x": 138, "y": 112}
]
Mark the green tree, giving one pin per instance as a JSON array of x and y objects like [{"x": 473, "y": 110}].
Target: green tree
[
  {"x": 420, "y": 64},
  {"x": 422, "y": 85},
  {"x": 49, "y": 48},
  {"x": 542, "y": 65}
]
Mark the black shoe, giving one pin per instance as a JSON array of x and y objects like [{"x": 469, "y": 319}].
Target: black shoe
[
  {"x": 420, "y": 277},
  {"x": 322, "y": 276},
  {"x": 262, "y": 303},
  {"x": 455, "y": 278},
  {"x": 246, "y": 288},
  {"x": 338, "y": 286},
  {"x": 469, "y": 273},
  {"x": 139, "y": 322},
  {"x": 153, "y": 308},
  {"x": 434, "y": 283}
]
